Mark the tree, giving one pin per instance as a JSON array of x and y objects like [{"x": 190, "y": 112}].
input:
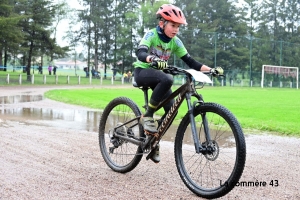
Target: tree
[
  {"x": 36, "y": 27},
  {"x": 126, "y": 38},
  {"x": 98, "y": 27},
  {"x": 11, "y": 35},
  {"x": 62, "y": 11},
  {"x": 212, "y": 33}
]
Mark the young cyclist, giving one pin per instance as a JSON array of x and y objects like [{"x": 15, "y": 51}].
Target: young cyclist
[{"x": 153, "y": 53}]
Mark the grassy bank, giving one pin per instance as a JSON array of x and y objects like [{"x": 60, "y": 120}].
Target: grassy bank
[{"x": 271, "y": 110}]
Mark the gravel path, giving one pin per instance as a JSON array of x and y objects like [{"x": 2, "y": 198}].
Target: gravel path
[{"x": 40, "y": 161}]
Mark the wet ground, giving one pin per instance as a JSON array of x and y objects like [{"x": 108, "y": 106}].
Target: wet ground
[
  {"x": 77, "y": 119},
  {"x": 49, "y": 150}
]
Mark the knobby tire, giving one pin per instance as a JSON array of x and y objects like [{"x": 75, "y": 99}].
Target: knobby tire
[
  {"x": 214, "y": 175},
  {"x": 126, "y": 156}
]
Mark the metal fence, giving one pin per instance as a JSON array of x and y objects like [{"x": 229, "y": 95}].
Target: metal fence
[{"x": 109, "y": 79}]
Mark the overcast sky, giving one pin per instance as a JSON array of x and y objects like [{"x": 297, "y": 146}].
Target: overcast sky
[{"x": 63, "y": 25}]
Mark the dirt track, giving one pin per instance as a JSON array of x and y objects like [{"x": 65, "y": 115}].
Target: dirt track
[{"x": 40, "y": 161}]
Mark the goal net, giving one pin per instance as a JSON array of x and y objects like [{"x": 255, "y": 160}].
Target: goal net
[{"x": 279, "y": 76}]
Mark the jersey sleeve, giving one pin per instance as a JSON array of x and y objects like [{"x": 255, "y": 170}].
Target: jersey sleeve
[
  {"x": 180, "y": 50},
  {"x": 147, "y": 39}
]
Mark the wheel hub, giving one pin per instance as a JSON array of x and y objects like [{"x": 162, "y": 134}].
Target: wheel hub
[
  {"x": 211, "y": 150},
  {"x": 121, "y": 130},
  {"x": 114, "y": 139}
]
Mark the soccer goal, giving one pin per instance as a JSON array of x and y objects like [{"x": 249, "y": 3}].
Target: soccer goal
[{"x": 282, "y": 71}]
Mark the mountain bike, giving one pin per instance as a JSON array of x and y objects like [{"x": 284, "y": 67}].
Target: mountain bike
[{"x": 209, "y": 146}]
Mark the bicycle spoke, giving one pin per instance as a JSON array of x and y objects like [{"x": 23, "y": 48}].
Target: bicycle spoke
[
  {"x": 120, "y": 119},
  {"x": 204, "y": 172}
]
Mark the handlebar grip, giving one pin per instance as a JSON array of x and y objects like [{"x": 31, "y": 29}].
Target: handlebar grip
[{"x": 209, "y": 73}]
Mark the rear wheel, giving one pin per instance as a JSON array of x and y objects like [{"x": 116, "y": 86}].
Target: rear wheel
[
  {"x": 120, "y": 155},
  {"x": 214, "y": 173}
]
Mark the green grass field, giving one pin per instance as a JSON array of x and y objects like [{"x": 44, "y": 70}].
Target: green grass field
[{"x": 258, "y": 110}]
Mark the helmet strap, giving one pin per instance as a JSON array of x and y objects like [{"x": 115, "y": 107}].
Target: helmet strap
[{"x": 165, "y": 23}]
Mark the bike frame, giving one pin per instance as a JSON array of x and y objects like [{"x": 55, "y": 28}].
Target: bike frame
[{"x": 186, "y": 91}]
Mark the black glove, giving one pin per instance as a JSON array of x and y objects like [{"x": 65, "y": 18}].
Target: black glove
[
  {"x": 158, "y": 63},
  {"x": 217, "y": 71}
]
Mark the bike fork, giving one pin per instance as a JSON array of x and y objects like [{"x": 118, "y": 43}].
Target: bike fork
[{"x": 198, "y": 146}]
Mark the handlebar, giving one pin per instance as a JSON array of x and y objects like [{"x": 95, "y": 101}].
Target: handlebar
[
  {"x": 177, "y": 71},
  {"x": 209, "y": 73},
  {"x": 170, "y": 69},
  {"x": 174, "y": 70}
]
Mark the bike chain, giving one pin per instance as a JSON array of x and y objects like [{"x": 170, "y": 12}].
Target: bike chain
[{"x": 156, "y": 135}]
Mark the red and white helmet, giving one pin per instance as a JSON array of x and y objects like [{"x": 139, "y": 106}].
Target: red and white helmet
[{"x": 172, "y": 13}]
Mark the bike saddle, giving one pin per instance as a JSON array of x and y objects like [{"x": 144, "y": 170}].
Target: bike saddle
[
  {"x": 138, "y": 86},
  {"x": 135, "y": 84}
]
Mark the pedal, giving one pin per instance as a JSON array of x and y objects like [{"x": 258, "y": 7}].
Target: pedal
[
  {"x": 149, "y": 156},
  {"x": 148, "y": 141}
]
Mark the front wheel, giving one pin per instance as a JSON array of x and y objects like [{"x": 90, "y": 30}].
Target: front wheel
[
  {"x": 120, "y": 117},
  {"x": 213, "y": 173}
]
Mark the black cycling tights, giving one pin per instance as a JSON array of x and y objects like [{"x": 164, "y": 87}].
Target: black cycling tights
[{"x": 158, "y": 81}]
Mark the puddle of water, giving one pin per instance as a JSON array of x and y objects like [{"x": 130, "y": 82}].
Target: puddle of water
[
  {"x": 20, "y": 98},
  {"x": 75, "y": 119},
  {"x": 67, "y": 118}
]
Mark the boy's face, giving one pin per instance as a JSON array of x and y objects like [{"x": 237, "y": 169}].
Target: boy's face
[{"x": 171, "y": 29}]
